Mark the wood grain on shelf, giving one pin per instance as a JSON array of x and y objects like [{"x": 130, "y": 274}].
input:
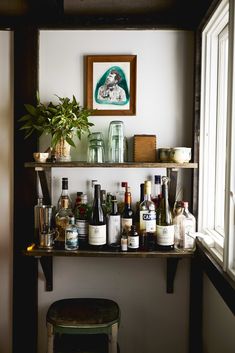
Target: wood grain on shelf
[{"x": 76, "y": 164}]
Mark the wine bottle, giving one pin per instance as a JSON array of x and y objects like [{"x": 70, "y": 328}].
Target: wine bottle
[
  {"x": 147, "y": 220},
  {"x": 137, "y": 208},
  {"x": 127, "y": 214},
  {"x": 82, "y": 214},
  {"x": 114, "y": 225},
  {"x": 165, "y": 227},
  {"x": 97, "y": 223},
  {"x": 157, "y": 191}
]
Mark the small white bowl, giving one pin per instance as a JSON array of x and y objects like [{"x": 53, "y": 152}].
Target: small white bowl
[
  {"x": 180, "y": 154},
  {"x": 40, "y": 157}
]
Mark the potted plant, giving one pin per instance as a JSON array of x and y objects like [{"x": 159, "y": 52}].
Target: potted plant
[{"x": 62, "y": 120}]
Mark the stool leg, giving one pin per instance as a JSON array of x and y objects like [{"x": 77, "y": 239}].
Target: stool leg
[
  {"x": 113, "y": 339},
  {"x": 50, "y": 338}
]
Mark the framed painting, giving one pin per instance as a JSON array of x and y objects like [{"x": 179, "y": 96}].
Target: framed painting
[{"x": 111, "y": 84}]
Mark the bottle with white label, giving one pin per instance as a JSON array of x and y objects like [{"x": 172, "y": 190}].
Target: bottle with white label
[
  {"x": 97, "y": 223},
  {"x": 127, "y": 214},
  {"x": 71, "y": 235},
  {"x": 165, "y": 227},
  {"x": 147, "y": 220},
  {"x": 114, "y": 225},
  {"x": 189, "y": 228},
  {"x": 133, "y": 239}
]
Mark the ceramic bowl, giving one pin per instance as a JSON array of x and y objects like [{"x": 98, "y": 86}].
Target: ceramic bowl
[
  {"x": 180, "y": 154},
  {"x": 40, "y": 157},
  {"x": 164, "y": 154}
]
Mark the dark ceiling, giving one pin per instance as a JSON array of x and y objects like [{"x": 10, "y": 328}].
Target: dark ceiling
[{"x": 185, "y": 14}]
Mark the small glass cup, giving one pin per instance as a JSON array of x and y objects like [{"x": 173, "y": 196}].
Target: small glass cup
[
  {"x": 116, "y": 142},
  {"x": 95, "y": 152}
]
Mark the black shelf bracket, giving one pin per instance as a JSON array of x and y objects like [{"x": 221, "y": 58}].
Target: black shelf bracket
[
  {"x": 172, "y": 264},
  {"x": 47, "y": 267}
]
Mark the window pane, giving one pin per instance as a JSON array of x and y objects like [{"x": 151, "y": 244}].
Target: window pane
[{"x": 221, "y": 118}]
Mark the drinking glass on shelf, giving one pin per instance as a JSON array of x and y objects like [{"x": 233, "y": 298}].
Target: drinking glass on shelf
[
  {"x": 116, "y": 142},
  {"x": 95, "y": 151}
]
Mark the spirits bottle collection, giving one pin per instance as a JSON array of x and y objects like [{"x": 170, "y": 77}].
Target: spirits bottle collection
[{"x": 108, "y": 222}]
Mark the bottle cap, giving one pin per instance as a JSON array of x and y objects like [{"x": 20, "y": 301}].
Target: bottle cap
[
  {"x": 65, "y": 183},
  {"x": 157, "y": 179},
  {"x": 84, "y": 198}
]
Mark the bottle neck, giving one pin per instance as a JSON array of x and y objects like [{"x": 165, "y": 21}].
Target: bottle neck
[
  {"x": 65, "y": 192},
  {"x": 97, "y": 199},
  {"x": 127, "y": 199},
  {"x": 141, "y": 193},
  {"x": 147, "y": 191},
  {"x": 114, "y": 208}
]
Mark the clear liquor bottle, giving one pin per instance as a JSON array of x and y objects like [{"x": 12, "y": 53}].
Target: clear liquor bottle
[
  {"x": 147, "y": 220},
  {"x": 64, "y": 196},
  {"x": 71, "y": 235},
  {"x": 189, "y": 228},
  {"x": 178, "y": 220},
  {"x": 165, "y": 227}
]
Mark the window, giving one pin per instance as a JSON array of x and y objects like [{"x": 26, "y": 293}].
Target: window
[{"x": 216, "y": 175}]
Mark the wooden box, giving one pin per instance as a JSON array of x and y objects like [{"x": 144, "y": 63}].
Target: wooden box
[{"x": 145, "y": 147}]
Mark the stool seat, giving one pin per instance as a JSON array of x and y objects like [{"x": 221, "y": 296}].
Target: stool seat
[{"x": 83, "y": 316}]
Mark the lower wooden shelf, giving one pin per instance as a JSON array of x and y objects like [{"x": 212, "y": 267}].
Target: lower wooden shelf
[{"x": 46, "y": 259}]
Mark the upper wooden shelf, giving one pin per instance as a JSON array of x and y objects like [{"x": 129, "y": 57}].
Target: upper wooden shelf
[{"x": 76, "y": 164}]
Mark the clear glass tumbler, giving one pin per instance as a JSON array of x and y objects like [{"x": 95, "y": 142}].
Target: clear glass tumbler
[
  {"x": 95, "y": 152},
  {"x": 116, "y": 143}
]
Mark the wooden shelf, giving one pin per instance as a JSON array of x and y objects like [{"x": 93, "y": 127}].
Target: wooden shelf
[
  {"x": 36, "y": 252},
  {"x": 76, "y": 164},
  {"x": 46, "y": 259}
]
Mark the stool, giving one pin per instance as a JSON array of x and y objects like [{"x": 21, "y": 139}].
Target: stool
[{"x": 80, "y": 316}]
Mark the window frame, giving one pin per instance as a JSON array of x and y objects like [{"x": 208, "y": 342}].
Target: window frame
[{"x": 222, "y": 248}]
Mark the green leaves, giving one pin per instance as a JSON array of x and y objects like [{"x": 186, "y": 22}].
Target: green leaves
[{"x": 59, "y": 120}]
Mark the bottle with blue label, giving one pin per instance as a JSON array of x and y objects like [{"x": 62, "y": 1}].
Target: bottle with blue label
[
  {"x": 71, "y": 235},
  {"x": 147, "y": 220}
]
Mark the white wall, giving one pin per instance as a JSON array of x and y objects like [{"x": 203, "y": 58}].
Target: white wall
[
  {"x": 150, "y": 318},
  {"x": 218, "y": 322},
  {"x": 6, "y": 190}
]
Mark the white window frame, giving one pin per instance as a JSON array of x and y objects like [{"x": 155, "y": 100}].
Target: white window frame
[
  {"x": 220, "y": 244},
  {"x": 214, "y": 40},
  {"x": 229, "y": 249}
]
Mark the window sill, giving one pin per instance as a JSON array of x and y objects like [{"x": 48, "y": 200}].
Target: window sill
[{"x": 214, "y": 270}]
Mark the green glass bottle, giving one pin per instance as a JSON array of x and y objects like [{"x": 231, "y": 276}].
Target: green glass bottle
[{"x": 165, "y": 227}]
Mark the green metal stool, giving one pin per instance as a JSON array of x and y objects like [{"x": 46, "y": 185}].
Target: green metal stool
[{"x": 80, "y": 316}]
